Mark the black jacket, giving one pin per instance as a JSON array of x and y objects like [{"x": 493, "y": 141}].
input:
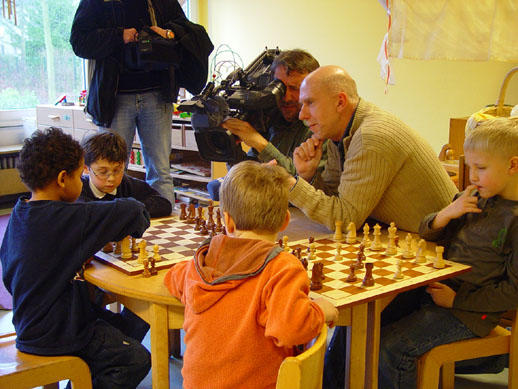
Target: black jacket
[{"x": 97, "y": 32}]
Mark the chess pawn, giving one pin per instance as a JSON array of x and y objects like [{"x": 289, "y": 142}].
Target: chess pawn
[
  {"x": 376, "y": 242},
  {"x": 420, "y": 256},
  {"x": 338, "y": 231},
  {"x": 407, "y": 252},
  {"x": 153, "y": 271},
  {"x": 146, "y": 273},
  {"x": 351, "y": 233},
  {"x": 438, "y": 262},
  {"x": 191, "y": 215},
  {"x": 134, "y": 245},
  {"x": 304, "y": 262},
  {"x": 351, "y": 277},
  {"x": 204, "y": 230},
  {"x": 156, "y": 256},
  {"x": 117, "y": 247},
  {"x": 398, "y": 274},
  {"x": 125, "y": 248},
  {"x": 338, "y": 255},
  {"x": 366, "y": 240},
  {"x": 312, "y": 249},
  {"x": 142, "y": 254}
]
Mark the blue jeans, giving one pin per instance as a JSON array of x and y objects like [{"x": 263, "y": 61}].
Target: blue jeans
[
  {"x": 152, "y": 117},
  {"x": 410, "y": 326},
  {"x": 116, "y": 361}
]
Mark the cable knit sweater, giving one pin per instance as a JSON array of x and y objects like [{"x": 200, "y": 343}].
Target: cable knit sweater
[{"x": 390, "y": 173}]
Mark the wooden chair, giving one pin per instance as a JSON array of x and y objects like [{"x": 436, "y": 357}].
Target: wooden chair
[
  {"x": 442, "y": 358},
  {"x": 463, "y": 181},
  {"x": 20, "y": 370},
  {"x": 305, "y": 370}
]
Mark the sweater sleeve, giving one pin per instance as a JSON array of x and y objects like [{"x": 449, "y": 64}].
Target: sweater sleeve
[
  {"x": 174, "y": 280},
  {"x": 365, "y": 177},
  {"x": 156, "y": 205},
  {"x": 290, "y": 317},
  {"x": 270, "y": 152}
]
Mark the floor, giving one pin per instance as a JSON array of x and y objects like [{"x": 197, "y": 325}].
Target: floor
[{"x": 475, "y": 381}]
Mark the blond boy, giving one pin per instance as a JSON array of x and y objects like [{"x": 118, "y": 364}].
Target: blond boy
[
  {"x": 246, "y": 301},
  {"x": 479, "y": 228}
]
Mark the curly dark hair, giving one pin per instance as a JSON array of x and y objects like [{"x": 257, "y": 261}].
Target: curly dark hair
[
  {"x": 104, "y": 145},
  {"x": 45, "y": 154}
]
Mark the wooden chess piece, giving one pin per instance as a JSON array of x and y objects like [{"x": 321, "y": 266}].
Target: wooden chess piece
[
  {"x": 191, "y": 215},
  {"x": 210, "y": 219},
  {"x": 368, "y": 279},
  {"x": 304, "y": 262},
  {"x": 312, "y": 251},
  {"x": 117, "y": 247},
  {"x": 391, "y": 246},
  {"x": 204, "y": 230},
  {"x": 142, "y": 254},
  {"x": 197, "y": 224},
  {"x": 108, "y": 247},
  {"x": 398, "y": 274},
  {"x": 420, "y": 257},
  {"x": 317, "y": 276},
  {"x": 156, "y": 255},
  {"x": 360, "y": 257},
  {"x": 351, "y": 277},
  {"x": 146, "y": 273},
  {"x": 280, "y": 242},
  {"x": 152, "y": 270},
  {"x": 366, "y": 240},
  {"x": 125, "y": 248},
  {"x": 183, "y": 212},
  {"x": 310, "y": 241},
  {"x": 438, "y": 262},
  {"x": 219, "y": 226},
  {"x": 134, "y": 245},
  {"x": 407, "y": 252},
  {"x": 338, "y": 231},
  {"x": 376, "y": 242},
  {"x": 351, "y": 233},
  {"x": 285, "y": 245},
  {"x": 338, "y": 255}
]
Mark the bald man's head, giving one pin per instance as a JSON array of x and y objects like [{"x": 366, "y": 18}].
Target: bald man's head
[{"x": 334, "y": 80}]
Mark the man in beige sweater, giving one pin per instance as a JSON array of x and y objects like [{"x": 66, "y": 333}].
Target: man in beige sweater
[{"x": 377, "y": 165}]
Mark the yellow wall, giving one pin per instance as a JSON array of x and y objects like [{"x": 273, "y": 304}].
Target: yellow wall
[{"x": 349, "y": 33}]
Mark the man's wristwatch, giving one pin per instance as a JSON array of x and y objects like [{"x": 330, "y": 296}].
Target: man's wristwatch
[{"x": 169, "y": 34}]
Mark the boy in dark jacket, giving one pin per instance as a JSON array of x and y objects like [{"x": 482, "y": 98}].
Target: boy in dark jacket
[
  {"x": 48, "y": 240},
  {"x": 105, "y": 157}
]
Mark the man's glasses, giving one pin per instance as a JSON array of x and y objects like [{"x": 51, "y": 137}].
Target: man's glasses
[{"x": 105, "y": 175}]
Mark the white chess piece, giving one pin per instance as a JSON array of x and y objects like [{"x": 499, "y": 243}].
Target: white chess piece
[
  {"x": 376, "y": 243},
  {"x": 142, "y": 254},
  {"x": 420, "y": 256},
  {"x": 407, "y": 252},
  {"x": 338, "y": 231},
  {"x": 156, "y": 256},
  {"x": 338, "y": 256},
  {"x": 366, "y": 240},
  {"x": 351, "y": 233},
  {"x": 398, "y": 274},
  {"x": 125, "y": 248},
  {"x": 391, "y": 246},
  {"x": 438, "y": 262},
  {"x": 285, "y": 244},
  {"x": 312, "y": 249}
]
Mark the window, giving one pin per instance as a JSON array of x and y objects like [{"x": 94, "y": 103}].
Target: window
[
  {"x": 36, "y": 61},
  {"x": 37, "y": 64}
]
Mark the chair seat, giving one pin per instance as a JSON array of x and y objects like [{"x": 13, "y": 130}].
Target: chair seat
[{"x": 20, "y": 370}]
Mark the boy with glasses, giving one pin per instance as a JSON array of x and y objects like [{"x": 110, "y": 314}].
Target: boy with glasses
[{"x": 104, "y": 178}]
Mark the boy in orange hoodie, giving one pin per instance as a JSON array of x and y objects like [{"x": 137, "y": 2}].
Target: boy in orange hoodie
[{"x": 246, "y": 300}]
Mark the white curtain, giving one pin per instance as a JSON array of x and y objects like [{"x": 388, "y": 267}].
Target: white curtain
[{"x": 478, "y": 30}]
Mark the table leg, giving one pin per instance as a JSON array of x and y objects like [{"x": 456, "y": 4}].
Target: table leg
[
  {"x": 159, "y": 346},
  {"x": 356, "y": 347}
]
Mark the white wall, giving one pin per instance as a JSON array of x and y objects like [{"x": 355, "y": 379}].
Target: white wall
[{"x": 349, "y": 33}]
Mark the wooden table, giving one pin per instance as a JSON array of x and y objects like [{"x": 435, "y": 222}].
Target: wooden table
[{"x": 150, "y": 299}]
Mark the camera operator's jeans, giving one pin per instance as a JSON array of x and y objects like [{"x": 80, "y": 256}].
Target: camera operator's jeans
[{"x": 151, "y": 116}]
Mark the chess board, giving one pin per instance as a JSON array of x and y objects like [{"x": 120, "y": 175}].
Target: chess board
[
  {"x": 340, "y": 292},
  {"x": 176, "y": 240}
]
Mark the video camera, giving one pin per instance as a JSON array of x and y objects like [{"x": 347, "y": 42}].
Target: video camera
[{"x": 256, "y": 92}]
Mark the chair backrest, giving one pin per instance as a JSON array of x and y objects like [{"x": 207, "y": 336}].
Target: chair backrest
[
  {"x": 305, "y": 370},
  {"x": 463, "y": 174}
]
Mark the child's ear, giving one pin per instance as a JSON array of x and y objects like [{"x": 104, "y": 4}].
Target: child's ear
[
  {"x": 61, "y": 178},
  {"x": 229, "y": 223},
  {"x": 86, "y": 171},
  {"x": 513, "y": 165},
  {"x": 286, "y": 221}
]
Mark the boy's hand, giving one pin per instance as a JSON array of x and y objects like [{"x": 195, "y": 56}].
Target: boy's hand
[
  {"x": 441, "y": 294},
  {"x": 330, "y": 312},
  {"x": 307, "y": 156},
  {"x": 465, "y": 203}
]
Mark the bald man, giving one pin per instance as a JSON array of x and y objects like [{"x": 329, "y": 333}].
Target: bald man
[{"x": 377, "y": 167}]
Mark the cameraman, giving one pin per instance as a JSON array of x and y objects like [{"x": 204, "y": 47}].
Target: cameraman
[
  {"x": 135, "y": 82},
  {"x": 284, "y": 129}
]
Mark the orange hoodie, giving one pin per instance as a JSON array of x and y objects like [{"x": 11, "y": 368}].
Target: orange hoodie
[{"x": 246, "y": 306}]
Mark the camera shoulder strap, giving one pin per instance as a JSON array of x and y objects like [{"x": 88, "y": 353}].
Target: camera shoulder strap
[{"x": 151, "y": 13}]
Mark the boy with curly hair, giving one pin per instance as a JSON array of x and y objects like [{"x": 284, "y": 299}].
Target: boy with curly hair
[
  {"x": 246, "y": 300},
  {"x": 479, "y": 228},
  {"x": 47, "y": 241},
  {"x": 104, "y": 179}
]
